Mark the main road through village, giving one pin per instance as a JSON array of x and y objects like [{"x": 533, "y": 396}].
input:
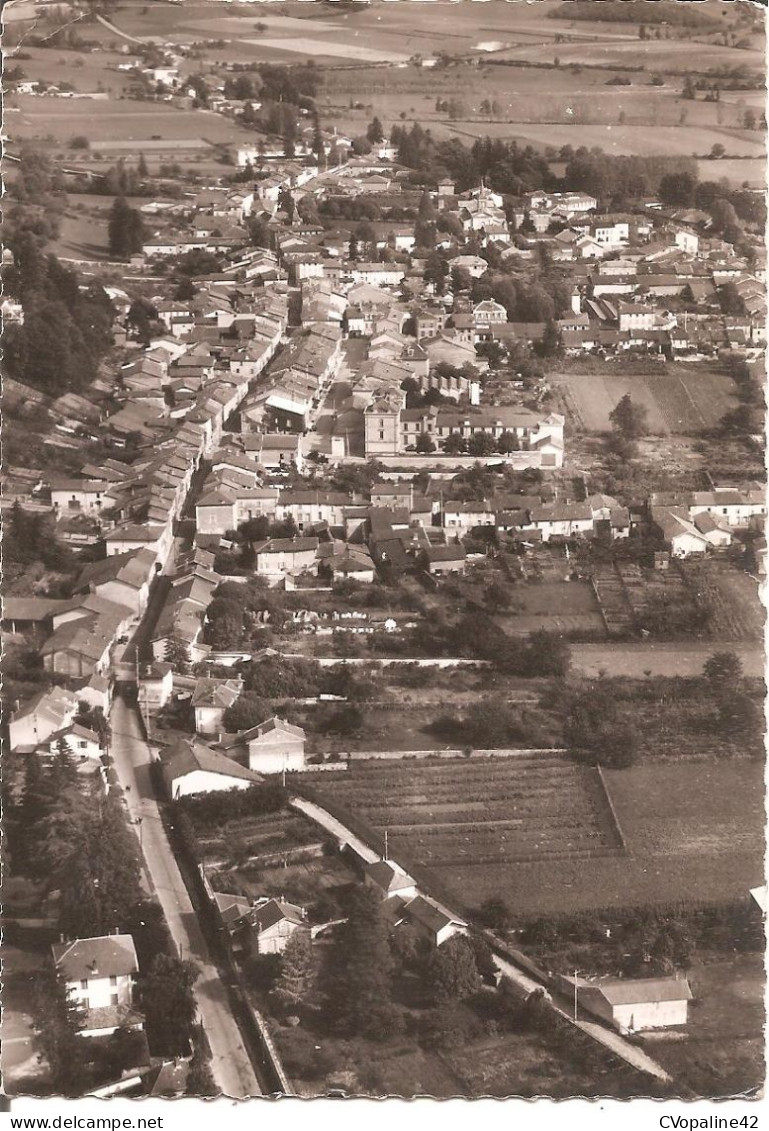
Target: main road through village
[{"x": 230, "y": 1063}]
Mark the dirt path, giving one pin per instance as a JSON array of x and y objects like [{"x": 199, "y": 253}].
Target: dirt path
[{"x": 122, "y": 34}]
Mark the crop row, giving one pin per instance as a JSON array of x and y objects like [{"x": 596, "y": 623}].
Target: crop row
[
  {"x": 459, "y": 771},
  {"x": 498, "y": 833},
  {"x": 474, "y": 808},
  {"x": 525, "y": 812}
]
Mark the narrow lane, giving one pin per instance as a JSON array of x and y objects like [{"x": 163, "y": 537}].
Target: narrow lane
[{"x": 230, "y": 1063}]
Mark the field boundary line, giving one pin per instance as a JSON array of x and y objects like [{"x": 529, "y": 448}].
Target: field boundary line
[{"x": 613, "y": 812}]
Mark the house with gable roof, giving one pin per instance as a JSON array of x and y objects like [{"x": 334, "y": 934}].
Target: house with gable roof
[
  {"x": 271, "y": 924},
  {"x": 389, "y": 879},
  {"x": 45, "y": 714},
  {"x": 433, "y": 921},
  {"x": 98, "y": 974},
  {"x": 190, "y": 767},
  {"x": 633, "y": 1005},
  {"x": 210, "y": 700}
]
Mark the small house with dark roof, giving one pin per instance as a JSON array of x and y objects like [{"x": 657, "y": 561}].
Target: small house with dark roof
[
  {"x": 435, "y": 922},
  {"x": 439, "y": 561},
  {"x": 231, "y": 909},
  {"x": 271, "y": 924},
  {"x": 98, "y": 974},
  {"x": 389, "y": 880},
  {"x": 210, "y": 700}
]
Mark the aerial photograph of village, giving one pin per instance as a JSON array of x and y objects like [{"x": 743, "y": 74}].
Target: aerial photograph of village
[{"x": 383, "y": 506}]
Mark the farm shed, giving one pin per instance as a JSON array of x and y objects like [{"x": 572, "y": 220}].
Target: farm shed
[
  {"x": 433, "y": 921},
  {"x": 634, "y": 1005},
  {"x": 190, "y": 767}
]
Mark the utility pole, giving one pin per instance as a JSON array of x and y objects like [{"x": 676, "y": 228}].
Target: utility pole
[{"x": 575, "y": 994}]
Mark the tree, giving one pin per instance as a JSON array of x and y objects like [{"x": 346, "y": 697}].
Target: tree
[
  {"x": 495, "y": 913},
  {"x": 177, "y": 654},
  {"x": 723, "y": 671},
  {"x": 200, "y": 1080},
  {"x": 551, "y": 339},
  {"x": 125, "y": 229},
  {"x": 424, "y": 444},
  {"x": 55, "y": 1021},
  {"x": 689, "y": 89},
  {"x": 348, "y": 719},
  {"x": 731, "y": 301},
  {"x": 374, "y": 132},
  {"x": 360, "y": 964},
  {"x": 141, "y": 168},
  {"x": 142, "y": 317},
  {"x": 481, "y": 444},
  {"x": 597, "y": 731},
  {"x": 247, "y": 711},
  {"x": 677, "y": 188},
  {"x": 508, "y": 442},
  {"x": 454, "y": 444},
  {"x": 296, "y": 973},
  {"x": 258, "y": 232},
  {"x": 286, "y": 204},
  {"x": 740, "y": 717},
  {"x": 436, "y": 271},
  {"x": 425, "y": 226},
  {"x": 451, "y": 971},
  {"x": 629, "y": 419},
  {"x": 168, "y": 1002}
]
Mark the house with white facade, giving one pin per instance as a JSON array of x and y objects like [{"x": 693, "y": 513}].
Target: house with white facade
[{"x": 99, "y": 975}]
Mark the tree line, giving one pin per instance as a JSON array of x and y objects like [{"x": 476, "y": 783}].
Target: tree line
[{"x": 73, "y": 839}]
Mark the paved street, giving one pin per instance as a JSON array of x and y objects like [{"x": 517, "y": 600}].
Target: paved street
[{"x": 230, "y": 1063}]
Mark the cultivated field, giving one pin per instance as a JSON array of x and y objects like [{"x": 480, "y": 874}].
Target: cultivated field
[
  {"x": 651, "y": 55},
  {"x": 488, "y": 811},
  {"x": 694, "y": 831},
  {"x": 682, "y": 402},
  {"x": 128, "y": 120},
  {"x": 732, "y": 599},
  {"x": 628, "y": 139},
  {"x": 556, "y": 606},
  {"x": 635, "y": 660},
  {"x": 259, "y": 835}
]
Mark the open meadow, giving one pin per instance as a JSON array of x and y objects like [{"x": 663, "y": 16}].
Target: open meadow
[
  {"x": 682, "y": 402},
  {"x": 694, "y": 833}
]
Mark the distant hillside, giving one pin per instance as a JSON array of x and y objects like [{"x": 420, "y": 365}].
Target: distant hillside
[{"x": 640, "y": 12}]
